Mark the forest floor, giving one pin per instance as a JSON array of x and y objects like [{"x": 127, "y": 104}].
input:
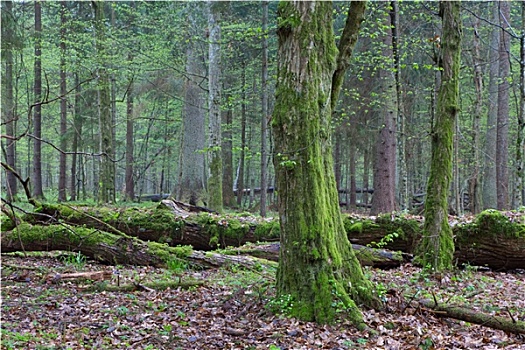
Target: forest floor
[{"x": 232, "y": 310}]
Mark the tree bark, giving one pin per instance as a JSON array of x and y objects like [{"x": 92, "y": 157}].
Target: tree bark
[
  {"x": 106, "y": 183},
  {"x": 62, "y": 186},
  {"x": 228, "y": 197},
  {"x": 384, "y": 198},
  {"x": 190, "y": 186},
  {"x": 474, "y": 180},
  {"x": 214, "y": 105},
  {"x": 313, "y": 241},
  {"x": 502, "y": 142},
  {"x": 519, "y": 197},
  {"x": 8, "y": 105},
  {"x": 437, "y": 245},
  {"x": 490, "y": 193},
  {"x": 242, "y": 157},
  {"x": 38, "y": 191},
  {"x": 264, "y": 116}
]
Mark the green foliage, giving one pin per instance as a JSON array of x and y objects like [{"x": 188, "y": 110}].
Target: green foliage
[
  {"x": 176, "y": 265},
  {"x": 77, "y": 260}
]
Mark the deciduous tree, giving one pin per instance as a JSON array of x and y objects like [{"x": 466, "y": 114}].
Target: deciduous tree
[
  {"x": 437, "y": 245},
  {"x": 318, "y": 267}
]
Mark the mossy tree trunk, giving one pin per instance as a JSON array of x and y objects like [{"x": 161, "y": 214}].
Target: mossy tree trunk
[
  {"x": 214, "y": 116},
  {"x": 318, "y": 267},
  {"x": 437, "y": 245}
]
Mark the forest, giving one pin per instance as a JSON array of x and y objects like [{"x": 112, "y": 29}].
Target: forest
[{"x": 263, "y": 174}]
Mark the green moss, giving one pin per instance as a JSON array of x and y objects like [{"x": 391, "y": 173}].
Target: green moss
[
  {"x": 6, "y": 224},
  {"x": 268, "y": 229},
  {"x": 167, "y": 253},
  {"x": 491, "y": 223}
]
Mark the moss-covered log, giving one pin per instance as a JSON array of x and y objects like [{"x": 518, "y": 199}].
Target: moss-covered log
[
  {"x": 100, "y": 245},
  {"x": 112, "y": 248},
  {"x": 170, "y": 222},
  {"x": 465, "y": 314},
  {"x": 494, "y": 239}
]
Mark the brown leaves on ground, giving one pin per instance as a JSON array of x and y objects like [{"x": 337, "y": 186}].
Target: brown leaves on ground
[{"x": 230, "y": 311}]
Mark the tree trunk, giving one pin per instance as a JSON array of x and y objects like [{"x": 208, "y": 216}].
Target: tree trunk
[
  {"x": 437, "y": 246},
  {"x": 384, "y": 200},
  {"x": 474, "y": 180},
  {"x": 130, "y": 147},
  {"x": 228, "y": 197},
  {"x": 37, "y": 113},
  {"x": 401, "y": 135},
  {"x": 242, "y": 157},
  {"x": 190, "y": 185},
  {"x": 312, "y": 269},
  {"x": 264, "y": 116},
  {"x": 490, "y": 193},
  {"x": 214, "y": 106},
  {"x": 8, "y": 101},
  {"x": 502, "y": 143},
  {"x": 107, "y": 167},
  {"x": 519, "y": 198},
  {"x": 62, "y": 186},
  {"x": 77, "y": 131}
]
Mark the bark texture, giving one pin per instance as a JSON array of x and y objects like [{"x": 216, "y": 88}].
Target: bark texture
[
  {"x": 37, "y": 112},
  {"x": 190, "y": 187},
  {"x": 214, "y": 103},
  {"x": 490, "y": 197},
  {"x": 106, "y": 192},
  {"x": 8, "y": 105},
  {"x": 384, "y": 198},
  {"x": 437, "y": 246},
  {"x": 318, "y": 266}
]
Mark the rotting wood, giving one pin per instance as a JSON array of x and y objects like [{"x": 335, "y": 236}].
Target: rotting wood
[
  {"x": 90, "y": 275},
  {"x": 465, "y": 314}
]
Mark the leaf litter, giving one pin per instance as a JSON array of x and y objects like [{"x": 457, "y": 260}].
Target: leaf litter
[{"x": 229, "y": 310}]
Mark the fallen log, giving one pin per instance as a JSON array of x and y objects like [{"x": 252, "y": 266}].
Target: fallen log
[
  {"x": 493, "y": 239},
  {"x": 116, "y": 249},
  {"x": 90, "y": 275},
  {"x": 465, "y": 314},
  {"x": 379, "y": 258}
]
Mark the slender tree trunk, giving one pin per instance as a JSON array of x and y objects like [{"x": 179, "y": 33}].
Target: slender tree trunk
[
  {"x": 242, "y": 156},
  {"x": 264, "y": 116},
  {"x": 437, "y": 245},
  {"x": 317, "y": 264},
  {"x": 474, "y": 181},
  {"x": 62, "y": 185},
  {"x": 37, "y": 111},
  {"x": 403, "y": 198},
  {"x": 228, "y": 197},
  {"x": 366, "y": 173},
  {"x": 490, "y": 193},
  {"x": 77, "y": 131},
  {"x": 130, "y": 147},
  {"x": 351, "y": 175},
  {"x": 519, "y": 199},
  {"x": 107, "y": 167},
  {"x": 383, "y": 200},
  {"x": 502, "y": 143},
  {"x": 214, "y": 107},
  {"x": 8, "y": 105}
]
